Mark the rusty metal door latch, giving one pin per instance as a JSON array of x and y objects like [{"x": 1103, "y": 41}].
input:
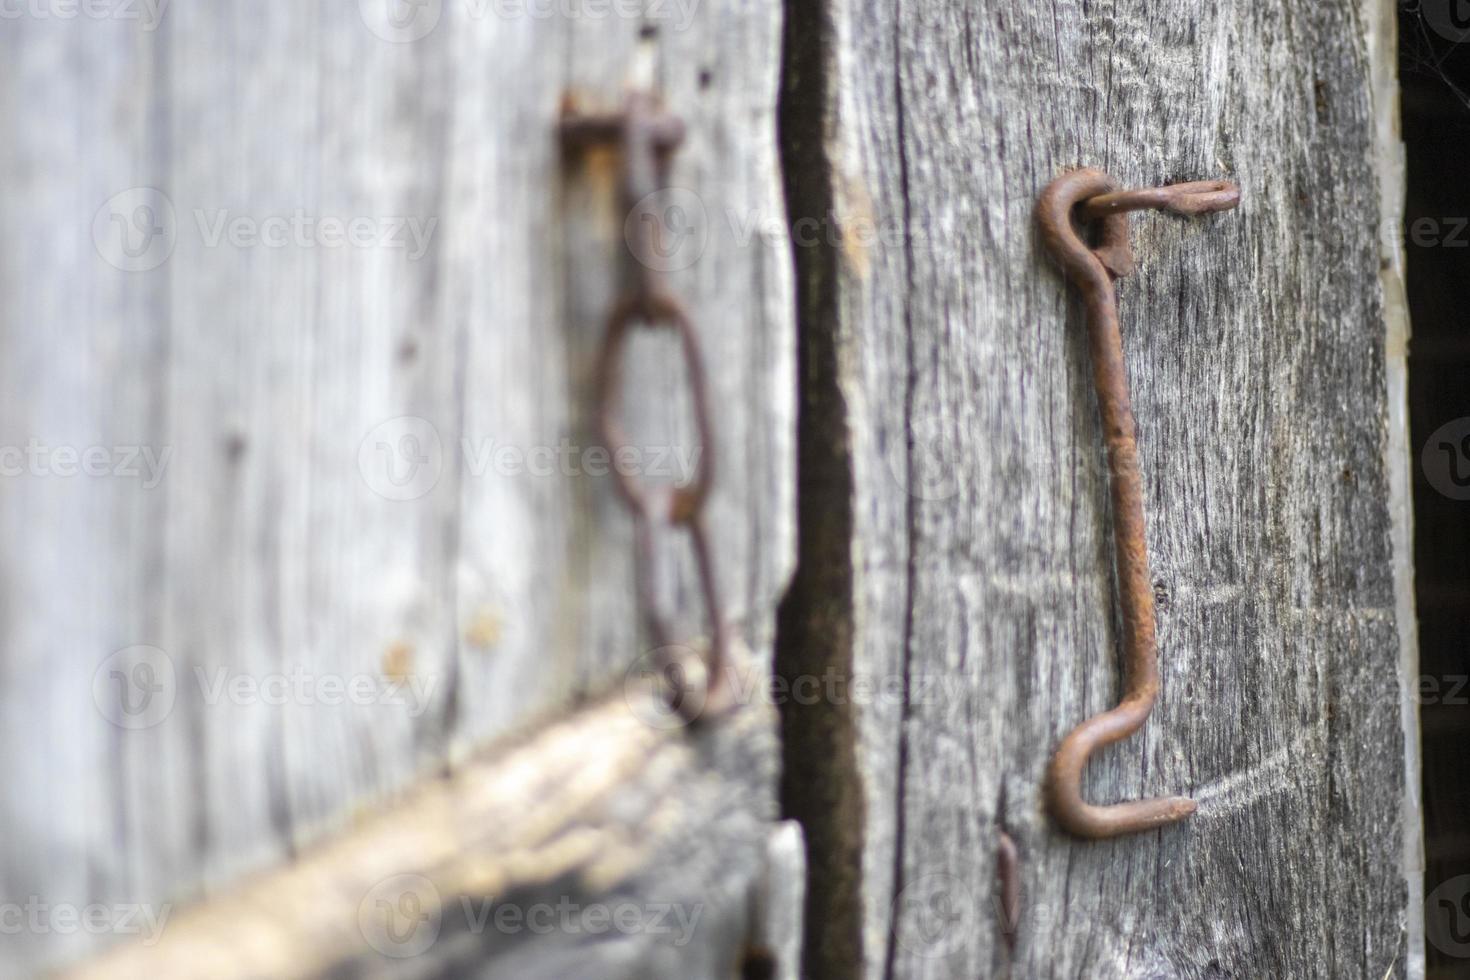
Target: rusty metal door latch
[
  {"x": 1088, "y": 197},
  {"x": 647, "y": 136}
]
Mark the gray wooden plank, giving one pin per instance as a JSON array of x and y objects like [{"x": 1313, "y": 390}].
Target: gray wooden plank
[
  {"x": 968, "y": 547},
  {"x": 462, "y": 600},
  {"x": 79, "y": 131}
]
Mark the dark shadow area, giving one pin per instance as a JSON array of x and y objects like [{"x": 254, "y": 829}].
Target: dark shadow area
[
  {"x": 820, "y": 786},
  {"x": 1434, "y": 68}
]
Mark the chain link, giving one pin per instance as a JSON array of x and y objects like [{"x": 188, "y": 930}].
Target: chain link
[{"x": 647, "y": 137}]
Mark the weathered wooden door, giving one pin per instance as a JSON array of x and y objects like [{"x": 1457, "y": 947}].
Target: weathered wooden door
[{"x": 319, "y": 613}]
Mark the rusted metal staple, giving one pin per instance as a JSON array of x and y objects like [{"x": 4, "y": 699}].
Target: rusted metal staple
[
  {"x": 1008, "y": 876},
  {"x": 1091, "y": 196},
  {"x": 647, "y": 136}
]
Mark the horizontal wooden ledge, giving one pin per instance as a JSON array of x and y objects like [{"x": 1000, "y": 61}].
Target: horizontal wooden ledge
[{"x": 610, "y": 842}]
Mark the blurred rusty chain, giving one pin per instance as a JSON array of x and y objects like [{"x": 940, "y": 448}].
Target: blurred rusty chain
[{"x": 647, "y": 137}]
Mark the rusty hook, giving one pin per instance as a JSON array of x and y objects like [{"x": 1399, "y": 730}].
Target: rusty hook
[{"x": 1094, "y": 196}]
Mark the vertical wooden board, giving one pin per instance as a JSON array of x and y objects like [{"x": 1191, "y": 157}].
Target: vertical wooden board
[
  {"x": 329, "y": 535},
  {"x": 76, "y": 111},
  {"x": 1255, "y": 348},
  {"x": 514, "y": 603}
]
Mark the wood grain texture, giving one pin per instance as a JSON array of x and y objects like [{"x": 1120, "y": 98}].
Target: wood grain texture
[
  {"x": 284, "y": 376},
  {"x": 948, "y": 409}
]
